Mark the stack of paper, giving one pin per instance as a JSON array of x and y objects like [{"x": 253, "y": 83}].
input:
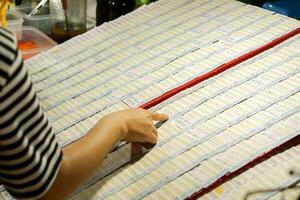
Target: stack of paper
[{"x": 214, "y": 127}]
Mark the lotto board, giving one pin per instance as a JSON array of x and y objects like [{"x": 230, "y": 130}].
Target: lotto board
[{"x": 227, "y": 73}]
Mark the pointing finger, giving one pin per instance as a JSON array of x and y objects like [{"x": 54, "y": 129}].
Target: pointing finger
[{"x": 158, "y": 116}]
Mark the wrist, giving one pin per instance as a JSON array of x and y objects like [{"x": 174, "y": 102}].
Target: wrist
[{"x": 114, "y": 126}]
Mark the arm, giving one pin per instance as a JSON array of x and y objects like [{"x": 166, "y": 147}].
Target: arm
[
  {"x": 82, "y": 158},
  {"x": 31, "y": 162}
]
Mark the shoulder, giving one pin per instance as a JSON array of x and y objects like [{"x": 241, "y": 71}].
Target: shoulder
[
  {"x": 8, "y": 54},
  {"x": 8, "y": 44}
]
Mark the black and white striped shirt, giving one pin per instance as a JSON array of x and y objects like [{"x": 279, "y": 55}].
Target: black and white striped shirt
[{"x": 29, "y": 153}]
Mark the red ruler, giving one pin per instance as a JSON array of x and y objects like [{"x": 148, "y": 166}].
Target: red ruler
[{"x": 292, "y": 142}]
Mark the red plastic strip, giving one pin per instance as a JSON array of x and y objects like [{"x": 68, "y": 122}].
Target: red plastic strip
[
  {"x": 219, "y": 69},
  {"x": 292, "y": 142}
]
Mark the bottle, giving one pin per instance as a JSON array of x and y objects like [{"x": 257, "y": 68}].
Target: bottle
[
  {"x": 68, "y": 18},
  {"x": 108, "y": 10}
]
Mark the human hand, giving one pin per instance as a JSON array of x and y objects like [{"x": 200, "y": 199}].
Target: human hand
[{"x": 136, "y": 125}]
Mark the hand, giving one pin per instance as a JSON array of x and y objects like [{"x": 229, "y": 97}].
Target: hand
[{"x": 136, "y": 125}]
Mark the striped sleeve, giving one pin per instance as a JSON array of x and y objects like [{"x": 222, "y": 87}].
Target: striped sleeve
[{"x": 29, "y": 153}]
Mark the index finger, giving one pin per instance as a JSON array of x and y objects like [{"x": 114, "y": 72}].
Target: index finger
[{"x": 158, "y": 116}]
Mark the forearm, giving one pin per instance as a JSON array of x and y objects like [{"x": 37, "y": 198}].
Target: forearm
[{"x": 82, "y": 158}]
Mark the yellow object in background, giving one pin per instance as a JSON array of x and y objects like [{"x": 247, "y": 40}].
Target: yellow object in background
[{"x": 3, "y": 7}]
